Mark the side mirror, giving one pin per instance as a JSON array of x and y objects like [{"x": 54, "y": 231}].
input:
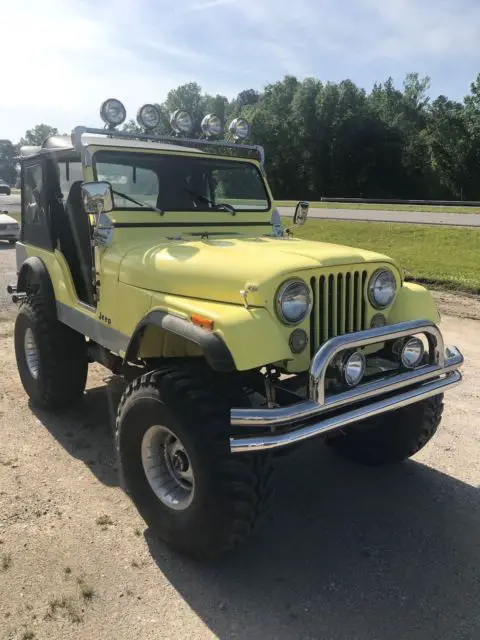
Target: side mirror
[
  {"x": 97, "y": 197},
  {"x": 301, "y": 213}
]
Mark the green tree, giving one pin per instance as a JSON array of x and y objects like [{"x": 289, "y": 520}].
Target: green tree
[
  {"x": 449, "y": 144},
  {"x": 472, "y": 108},
  {"x": 38, "y": 134},
  {"x": 7, "y": 161}
]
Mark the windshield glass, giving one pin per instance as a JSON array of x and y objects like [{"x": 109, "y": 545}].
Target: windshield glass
[{"x": 182, "y": 183}]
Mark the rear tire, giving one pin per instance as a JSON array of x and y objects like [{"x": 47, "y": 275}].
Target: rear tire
[
  {"x": 393, "y": 436},
  {"x": 51, "y": 358},
  {"x": 213, "y": 500}
]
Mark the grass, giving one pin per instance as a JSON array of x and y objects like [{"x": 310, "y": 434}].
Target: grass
[
  {"x": 104, "y": 521},
  {"x": 87, "y": 591},
  {"x": 381, "y": 207},
  {"x": 63, "y": 606},
  {"x": 446, "y": 256}
]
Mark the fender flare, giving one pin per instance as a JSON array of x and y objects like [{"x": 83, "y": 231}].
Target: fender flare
[
  {"x": 34, "y": 272},
  {"x": 214, "y": 349}
]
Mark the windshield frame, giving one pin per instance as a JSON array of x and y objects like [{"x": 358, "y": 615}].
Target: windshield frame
[{"x": 125, "y": 152}]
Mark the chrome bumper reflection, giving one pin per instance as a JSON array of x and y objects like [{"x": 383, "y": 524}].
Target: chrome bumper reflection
[{"x": 313, "y": 417}]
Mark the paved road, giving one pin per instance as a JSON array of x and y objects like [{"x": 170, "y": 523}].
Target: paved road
[
  {"x": 413, "y": 217},
  {"x": 12, "y": 204}
]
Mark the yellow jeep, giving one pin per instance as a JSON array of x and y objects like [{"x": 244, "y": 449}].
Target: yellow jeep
[{"x": 164, "y": 259}]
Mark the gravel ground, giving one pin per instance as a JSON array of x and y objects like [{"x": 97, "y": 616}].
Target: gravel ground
[{"x": 348, "y": 553}]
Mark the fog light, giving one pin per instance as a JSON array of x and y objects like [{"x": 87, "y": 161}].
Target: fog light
[
  {"x": 113, "y": 112},
  {"x": 412, "y": 353},
  {"x": 353, "y": 368},
  {"x": 211, "y": 125},
  {"x": 181, "y": 121},
  {"x": 148, "y": 116},
  {"x": 378, "y": 320},
  {"x": 298, "y": 341}
]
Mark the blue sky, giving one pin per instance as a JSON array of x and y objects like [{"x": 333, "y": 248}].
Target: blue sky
[{"x": 68, "y": 57}]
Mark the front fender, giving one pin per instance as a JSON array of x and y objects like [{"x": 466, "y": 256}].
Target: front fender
[
  {"x": 413, "y": 302},
  {"x": 252, "y": 337},
  {"x": 33, "y": 277},
  {"x": 210, "y": 345}
]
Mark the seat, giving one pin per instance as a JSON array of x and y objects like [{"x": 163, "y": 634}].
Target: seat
[{"x": 75, "y": 243}]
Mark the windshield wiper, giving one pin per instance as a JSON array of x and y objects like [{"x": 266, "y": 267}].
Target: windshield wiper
[
  {"x": 142, "y": 204},
  {"x": 221, "y": 206}
]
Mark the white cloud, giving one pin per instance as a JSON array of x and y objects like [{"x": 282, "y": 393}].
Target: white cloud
[
  {"x": 429, "y": 28},
  {"x": 70, "y": 56}
]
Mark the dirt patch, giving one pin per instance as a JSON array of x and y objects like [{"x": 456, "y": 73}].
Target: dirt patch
[{"x": 461, "y": 305}]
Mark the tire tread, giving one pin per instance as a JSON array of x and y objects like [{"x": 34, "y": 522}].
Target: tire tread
[
  {"x": 249, "y": 478},
  {"x": 63, "y": 352},
  {"x": 393, "y": 437}
]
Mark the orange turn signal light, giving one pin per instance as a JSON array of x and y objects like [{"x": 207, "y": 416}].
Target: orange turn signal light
[{"x": 201, "y": 321}]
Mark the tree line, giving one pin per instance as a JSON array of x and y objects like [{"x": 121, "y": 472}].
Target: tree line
[{"x": 338, "y": 140}]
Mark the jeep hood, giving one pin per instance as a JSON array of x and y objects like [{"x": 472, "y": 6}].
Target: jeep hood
[{"x": 218, "y": 268}]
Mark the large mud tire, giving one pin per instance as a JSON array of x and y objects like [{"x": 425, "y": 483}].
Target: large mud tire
[
  {"x": 391, "y": 437},
  {"x": 228, "y": 494},
  {"x": 51, "y": 358}
]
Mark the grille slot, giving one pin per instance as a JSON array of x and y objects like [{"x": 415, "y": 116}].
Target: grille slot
[{"x": 339, "y": 306}]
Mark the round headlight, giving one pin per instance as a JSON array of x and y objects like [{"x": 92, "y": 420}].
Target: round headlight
[
  {"x": 353, "y": 368},
  {"x": 412, "y": 353},
  {"x": 148, "y": 116},
  {"x": 382, "y": 288},
  {"x": 211, "y": 125},
  {"x": 181, "y": 121},
  {"x": 113, "y": 112},
  {"x": 239, "y": 129},
  {"x": 293, "y": 302}
]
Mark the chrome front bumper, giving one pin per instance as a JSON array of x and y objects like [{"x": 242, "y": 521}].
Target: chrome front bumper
[{"x": 266, "y": 428}]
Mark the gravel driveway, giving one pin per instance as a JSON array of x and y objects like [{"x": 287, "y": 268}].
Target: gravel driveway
[{"x": 349, "y": 553}]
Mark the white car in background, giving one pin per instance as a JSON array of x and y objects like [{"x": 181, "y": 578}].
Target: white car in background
[
  {"x": 9, "y": 228},
  {"x": 5, "y": 188}
]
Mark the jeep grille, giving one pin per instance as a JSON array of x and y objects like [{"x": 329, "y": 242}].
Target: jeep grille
[{"x": 339, "y": 306}]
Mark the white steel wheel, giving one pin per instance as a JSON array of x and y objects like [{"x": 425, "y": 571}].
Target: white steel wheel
[{"x": 168, "y": 468}]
